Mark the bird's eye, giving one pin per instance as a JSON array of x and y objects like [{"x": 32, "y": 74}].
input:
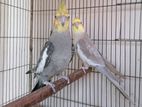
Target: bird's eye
[{"x": 55, "y": 16}]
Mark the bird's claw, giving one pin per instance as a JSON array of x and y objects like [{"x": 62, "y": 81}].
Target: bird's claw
[
  {"x": 66, "y": 78},
  {"x": 84, "y": 69},
  {"x": 51, "y": 85}
]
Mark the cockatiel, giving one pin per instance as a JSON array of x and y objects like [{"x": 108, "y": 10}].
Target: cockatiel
[
  {"x": 56, "y": 54},
  {"x": 90, "y": 56}
]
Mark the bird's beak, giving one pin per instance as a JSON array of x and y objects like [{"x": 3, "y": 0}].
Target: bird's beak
[
  {"x": 63, "y": 20},
  {"x": 77, "y": 25}
]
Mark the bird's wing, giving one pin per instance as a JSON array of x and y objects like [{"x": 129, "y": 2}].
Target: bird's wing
[
  {"x": 44, "y": 59},
  {"x": 113, "y": 69},
  {"x": 50, "y": 49},
  {"x": 90, "y": 55},
  {"x": 45, "y": 56},
  {"x": 88, "y": 52}
]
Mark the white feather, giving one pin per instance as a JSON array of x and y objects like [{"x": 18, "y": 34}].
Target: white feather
[
  {"x": 43, "y": 61},
  {"x": 84, "y": 57}
]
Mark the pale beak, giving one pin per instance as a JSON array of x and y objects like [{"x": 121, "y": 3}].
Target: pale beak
[
  {"x": 77, "y": 25},
  {"x": 63, "y": 20}
]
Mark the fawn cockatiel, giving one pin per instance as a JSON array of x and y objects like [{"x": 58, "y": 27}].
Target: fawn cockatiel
[{"x": 90, "y": 55}]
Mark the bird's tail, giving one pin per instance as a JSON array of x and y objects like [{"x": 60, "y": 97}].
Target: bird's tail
[
  {"x": 108, "y": 73},
  {"x": 38, "y": 85},
  {"x": 113, "y": 69},
  {"x": 113, "y": 80}
]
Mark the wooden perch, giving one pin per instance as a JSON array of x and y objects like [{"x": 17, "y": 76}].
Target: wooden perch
[{"x": 45, "y": 92}]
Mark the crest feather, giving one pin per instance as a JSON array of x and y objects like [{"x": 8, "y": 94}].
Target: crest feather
[{"x": 62, "y": 9}]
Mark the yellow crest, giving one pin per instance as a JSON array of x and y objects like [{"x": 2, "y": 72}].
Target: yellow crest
[
  {"x": 77, "y": 25},
  {"x": 76, "y": 20},
  {"x": 62, "y": 10}
]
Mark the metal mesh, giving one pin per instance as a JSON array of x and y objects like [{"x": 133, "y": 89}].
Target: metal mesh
[
  {"x": 115, "y": 26},
  {"x": 14, "y": 49}
]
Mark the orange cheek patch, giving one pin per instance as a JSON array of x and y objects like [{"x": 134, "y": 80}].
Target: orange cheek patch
[{"x": 56, "y": 23}]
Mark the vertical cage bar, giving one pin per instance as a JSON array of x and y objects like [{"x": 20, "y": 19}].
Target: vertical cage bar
[
  {"x": 130, "y": 71},
  {"x": 140, "y": 68},
  {"x": 31, "y": 45}
]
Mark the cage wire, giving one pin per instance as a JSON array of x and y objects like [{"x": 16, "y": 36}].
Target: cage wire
[{"x": 115, "y": 26}]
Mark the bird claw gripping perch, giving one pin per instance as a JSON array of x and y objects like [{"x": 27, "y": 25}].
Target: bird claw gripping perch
[
  {"x": 51, "y": 85},
  {"x": 84, "y": 69},
  {"x": 66, "y": 78}
]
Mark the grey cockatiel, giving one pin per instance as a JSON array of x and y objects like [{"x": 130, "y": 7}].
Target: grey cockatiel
[
  {"x": 56, "y": 54},
  {"x": 90, "y": 56}
]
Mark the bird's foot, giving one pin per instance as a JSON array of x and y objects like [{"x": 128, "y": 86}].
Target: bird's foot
[
  {"x": 84, "y": 69},
  {"x": 66, "y": 78},
  {"x": 51, "y": 85}
]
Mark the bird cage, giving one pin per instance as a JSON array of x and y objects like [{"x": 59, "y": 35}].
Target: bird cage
[{"x": 114, "y": 26}]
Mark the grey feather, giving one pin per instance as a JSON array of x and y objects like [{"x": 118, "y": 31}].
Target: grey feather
[
  {"x": 50, "y": 48},
  {"x": 38, "y": 85},
  {"x": 104, "y": 70},
  {"x": 58, "y": 60},
  {"x": 90, "y": 55}
]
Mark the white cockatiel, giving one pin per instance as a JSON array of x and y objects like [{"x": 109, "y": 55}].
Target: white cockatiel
[
  {"x": 57, "y": 51},
  {"x": 90, "y": 55}
]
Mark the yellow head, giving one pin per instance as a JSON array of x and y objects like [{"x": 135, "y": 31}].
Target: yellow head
[
  {"x": 61, "y": 22},
  {"x": 77, "y": 26},
  {"x": 62, "y": 10},
  {"x": 78, "y": 30}
]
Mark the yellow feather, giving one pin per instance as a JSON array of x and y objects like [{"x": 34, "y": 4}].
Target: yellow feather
[
  {"x": 62, "y": 10},
  {"x": 76, "y": 20},
  {"x": 80, "y": 27},
  {"x": 58, "y": 26}
]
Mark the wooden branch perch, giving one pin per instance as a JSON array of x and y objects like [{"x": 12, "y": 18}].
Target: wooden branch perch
[{"x": 43, "y": 93}]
